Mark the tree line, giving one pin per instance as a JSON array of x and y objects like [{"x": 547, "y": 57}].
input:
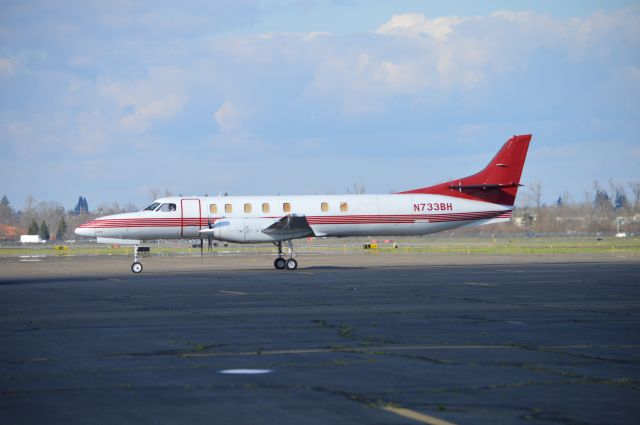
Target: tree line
[
  {"x": 600, "y": 209},
  {"x": 50, "y": 219}
]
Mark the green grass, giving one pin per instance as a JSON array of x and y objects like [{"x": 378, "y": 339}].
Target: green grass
[
  {"x": 526, "y": 246},
  {"x": 421, "y": 245}
]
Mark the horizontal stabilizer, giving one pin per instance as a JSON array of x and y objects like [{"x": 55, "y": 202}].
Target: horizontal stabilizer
[{"x": 482, "y": 186}]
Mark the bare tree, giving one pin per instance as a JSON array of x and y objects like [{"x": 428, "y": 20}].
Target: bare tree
[
  {"x": 28, "y": 203},
  {"x": 601, "y": 200},
  {"x": 154, "y": 194},
  {"x": 358, "y": 189},
  {"x": 533, "y": 196},
  {"x": 618, "y": 196},
  {"x": 113, "y": 208},
  {"x": 27, "y": 215},
  {"x": 130, "y": 207},
  {"x": 635, "y": 189},
  {"x": 48, "y": 212}
]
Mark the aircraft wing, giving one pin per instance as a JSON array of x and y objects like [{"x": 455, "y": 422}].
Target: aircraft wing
[
  {"x": 118, "y": 241},
  {"x": 290, "y": 227}
]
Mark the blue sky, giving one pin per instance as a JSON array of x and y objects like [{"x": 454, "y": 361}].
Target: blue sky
[{"x": 112, "y": 99}]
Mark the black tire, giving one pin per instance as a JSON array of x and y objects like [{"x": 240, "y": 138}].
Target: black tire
[
  {"x": 136, "y": 267},
  {"x": 292, "y": 264},
  {"x": 279, "y": 263}
]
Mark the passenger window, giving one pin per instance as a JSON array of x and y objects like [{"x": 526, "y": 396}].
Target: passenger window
[
  {"x": 324, "y": 207},
  {"x": 247, "y": 208},
  {"x": 286, "y": 207},
  {"x": 228, "y": 208},
  {"x": 213, "y": 208},
  {"x": 265, "y": 208},
  {"x": 344, "y": 207}
]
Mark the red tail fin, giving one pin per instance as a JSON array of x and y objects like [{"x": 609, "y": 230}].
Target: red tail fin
[{"x": 497, "y": 183}]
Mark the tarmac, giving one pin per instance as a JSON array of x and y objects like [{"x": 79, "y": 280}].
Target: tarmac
[{"x": 376, "y": 339}]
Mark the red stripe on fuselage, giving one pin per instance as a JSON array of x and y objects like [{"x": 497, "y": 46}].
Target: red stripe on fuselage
[{"x": 313, "y": 220}]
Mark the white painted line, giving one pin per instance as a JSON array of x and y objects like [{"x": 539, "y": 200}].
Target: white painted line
[
  {"x": 245, "y": 371},
  {"x": 233, "y": 293},
  {"x": 479, "y": 284}
]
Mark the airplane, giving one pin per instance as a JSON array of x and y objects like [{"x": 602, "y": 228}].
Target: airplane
[{"x": 483, "y": 198}]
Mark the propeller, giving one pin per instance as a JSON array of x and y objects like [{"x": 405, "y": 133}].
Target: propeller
[{"x": 212, "y": 226}]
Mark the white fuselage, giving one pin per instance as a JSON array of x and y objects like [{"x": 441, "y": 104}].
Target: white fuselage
[{"x": 245, "y": 217}]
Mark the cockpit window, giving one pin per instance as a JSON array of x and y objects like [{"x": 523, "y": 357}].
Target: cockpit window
[
  {"x": 152, "y": 207},
  {"x": 167, "y": 208}
]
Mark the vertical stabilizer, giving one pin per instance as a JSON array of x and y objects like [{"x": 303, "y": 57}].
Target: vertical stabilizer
[{"x": 498, "y": 182}]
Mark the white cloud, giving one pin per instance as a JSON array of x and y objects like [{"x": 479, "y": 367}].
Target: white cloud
[
  {"x": 317, "y": 34},
  {"x": 158, "y": 109},
  {"x": 81, "y": 61},
  {"x": 423, "y": 61},
  {"x": 228, "y": 117},
  {"x": 17, "y": 130},
  {"x": 412, "y": 80},
  {"x": 416, "y": 24},
  {"x": 88, "y": 141},
  {"x": 403, "y": 76},
  {"x": 158, "y": 97},
  {"x": 8, "y": 66}
]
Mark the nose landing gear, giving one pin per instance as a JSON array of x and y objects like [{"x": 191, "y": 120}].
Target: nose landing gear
[
  {"x": 136, "y": 267},
  {"x": 280, "y": 263}
]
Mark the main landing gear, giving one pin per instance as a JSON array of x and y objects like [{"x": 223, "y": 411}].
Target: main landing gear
[{"x": 282, "y": 263}]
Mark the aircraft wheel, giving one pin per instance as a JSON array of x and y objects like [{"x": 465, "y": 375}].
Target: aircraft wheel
[
  {"x": 279, "y": 263},
  {"x": 292, "y": 264},
  {"x": 136, "y": 267}
]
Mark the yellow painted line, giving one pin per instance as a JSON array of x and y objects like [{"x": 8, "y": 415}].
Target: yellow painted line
[
  {"x": 233, "y": 293},
  {"x": 416, "y": 416}
]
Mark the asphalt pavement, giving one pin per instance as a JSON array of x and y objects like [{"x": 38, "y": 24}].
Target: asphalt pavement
[{"x": 555, "y": 342}]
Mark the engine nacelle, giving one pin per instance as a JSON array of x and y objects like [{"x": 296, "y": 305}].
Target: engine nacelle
[{"x": 241, "y": 230}]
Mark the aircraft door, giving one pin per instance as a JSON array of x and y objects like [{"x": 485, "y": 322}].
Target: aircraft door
[{"x": 190, "y": 217}]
